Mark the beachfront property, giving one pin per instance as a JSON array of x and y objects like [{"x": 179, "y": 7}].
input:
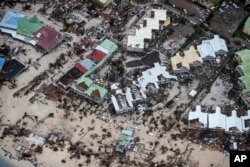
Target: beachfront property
[
  {"x": 28, "y": 26},
  {"x": 85, "y": 88},
  {"x": 182, "y": 63},
  {"x": 122, "y": 102},
  {"x": 217, "y": 120},
  {"x": 148, "y": 83},
  {"x": 243, "y": 68},
  {"x": 151, "y": 79},
  {"x": 98, "y": 58},
  {"x": 246, "y": 28},
  {"x": 76, "y": 82},
  {"x": 30, "y": 30},
  {"x": 143, "y": 31},
  {"x": 208, "y": 49},
  {"x": 125, "y": 140},
  {"x": 65, "y": 82},
  {"x": 47, "y": 38}
]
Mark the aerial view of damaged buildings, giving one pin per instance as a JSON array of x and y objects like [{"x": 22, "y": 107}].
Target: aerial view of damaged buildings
[{"x": 191, "y": 63}]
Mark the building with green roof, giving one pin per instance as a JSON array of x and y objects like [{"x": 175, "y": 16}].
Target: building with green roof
[
  {"x": 126, "y": 137},
  {"x": 28, "y": 26},
  {"x": 243, "y": 56},
  {"x": 107, "y": 47},
  {"x": 246, "y": 28},
  {"x": 96, "y": 93},
  {"x": 245, "y": 83},
  {"x": 85, "y": 87},
  {"x": 244, "y": 69}
]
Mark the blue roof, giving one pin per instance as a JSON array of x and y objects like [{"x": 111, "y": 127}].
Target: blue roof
[
  {"x": 10, "y": 20},
  {"x": 2, "y": 61},
  {"x": 87, "y": 63}
]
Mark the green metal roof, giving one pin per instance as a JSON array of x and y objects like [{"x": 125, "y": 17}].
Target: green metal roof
[
  {"x": 245, "y": 68},
  {"x": 127, "y": 132},
  {"x": 94, "y": 87},
  {"x": 244, "y": 55},
  {"x": 27, "y": 26},
  {"x": 246, "y": 81},
  {"x": 247, "y": 23},
  {"x": 123, "y": 140},
  {"x": 111, "y": 47},
  {"x": 87, "y": 81}
]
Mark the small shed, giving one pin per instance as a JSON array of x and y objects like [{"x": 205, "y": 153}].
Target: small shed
[{"x": 192, "y": 93}]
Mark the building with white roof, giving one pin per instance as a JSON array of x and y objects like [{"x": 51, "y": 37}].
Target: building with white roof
[
  {"x": 122, "y": 102},
  {"x": 198, "y": 117},
  {"x": 205, "y": 50},
  {"x": 233, "y": 122},
  {"x": 218, "y": 44},
  {"x": 136, "y": 42},
  {"x": 151, "y": 78},
  {"x": 144, "y": 29},
  {"x": 209, "y": 48},
  {"x": 245, "y": 120},
  {"x": 217, "y": 120}
]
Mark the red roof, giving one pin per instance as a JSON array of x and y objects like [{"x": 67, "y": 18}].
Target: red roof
[
  {"x": 47, "y": 37},
  {"x": 80, "y": 67},
  {"x": 96, "y": 56}
]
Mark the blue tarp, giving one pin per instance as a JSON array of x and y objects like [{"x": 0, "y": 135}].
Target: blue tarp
[{"x": 2, "y": 61}]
